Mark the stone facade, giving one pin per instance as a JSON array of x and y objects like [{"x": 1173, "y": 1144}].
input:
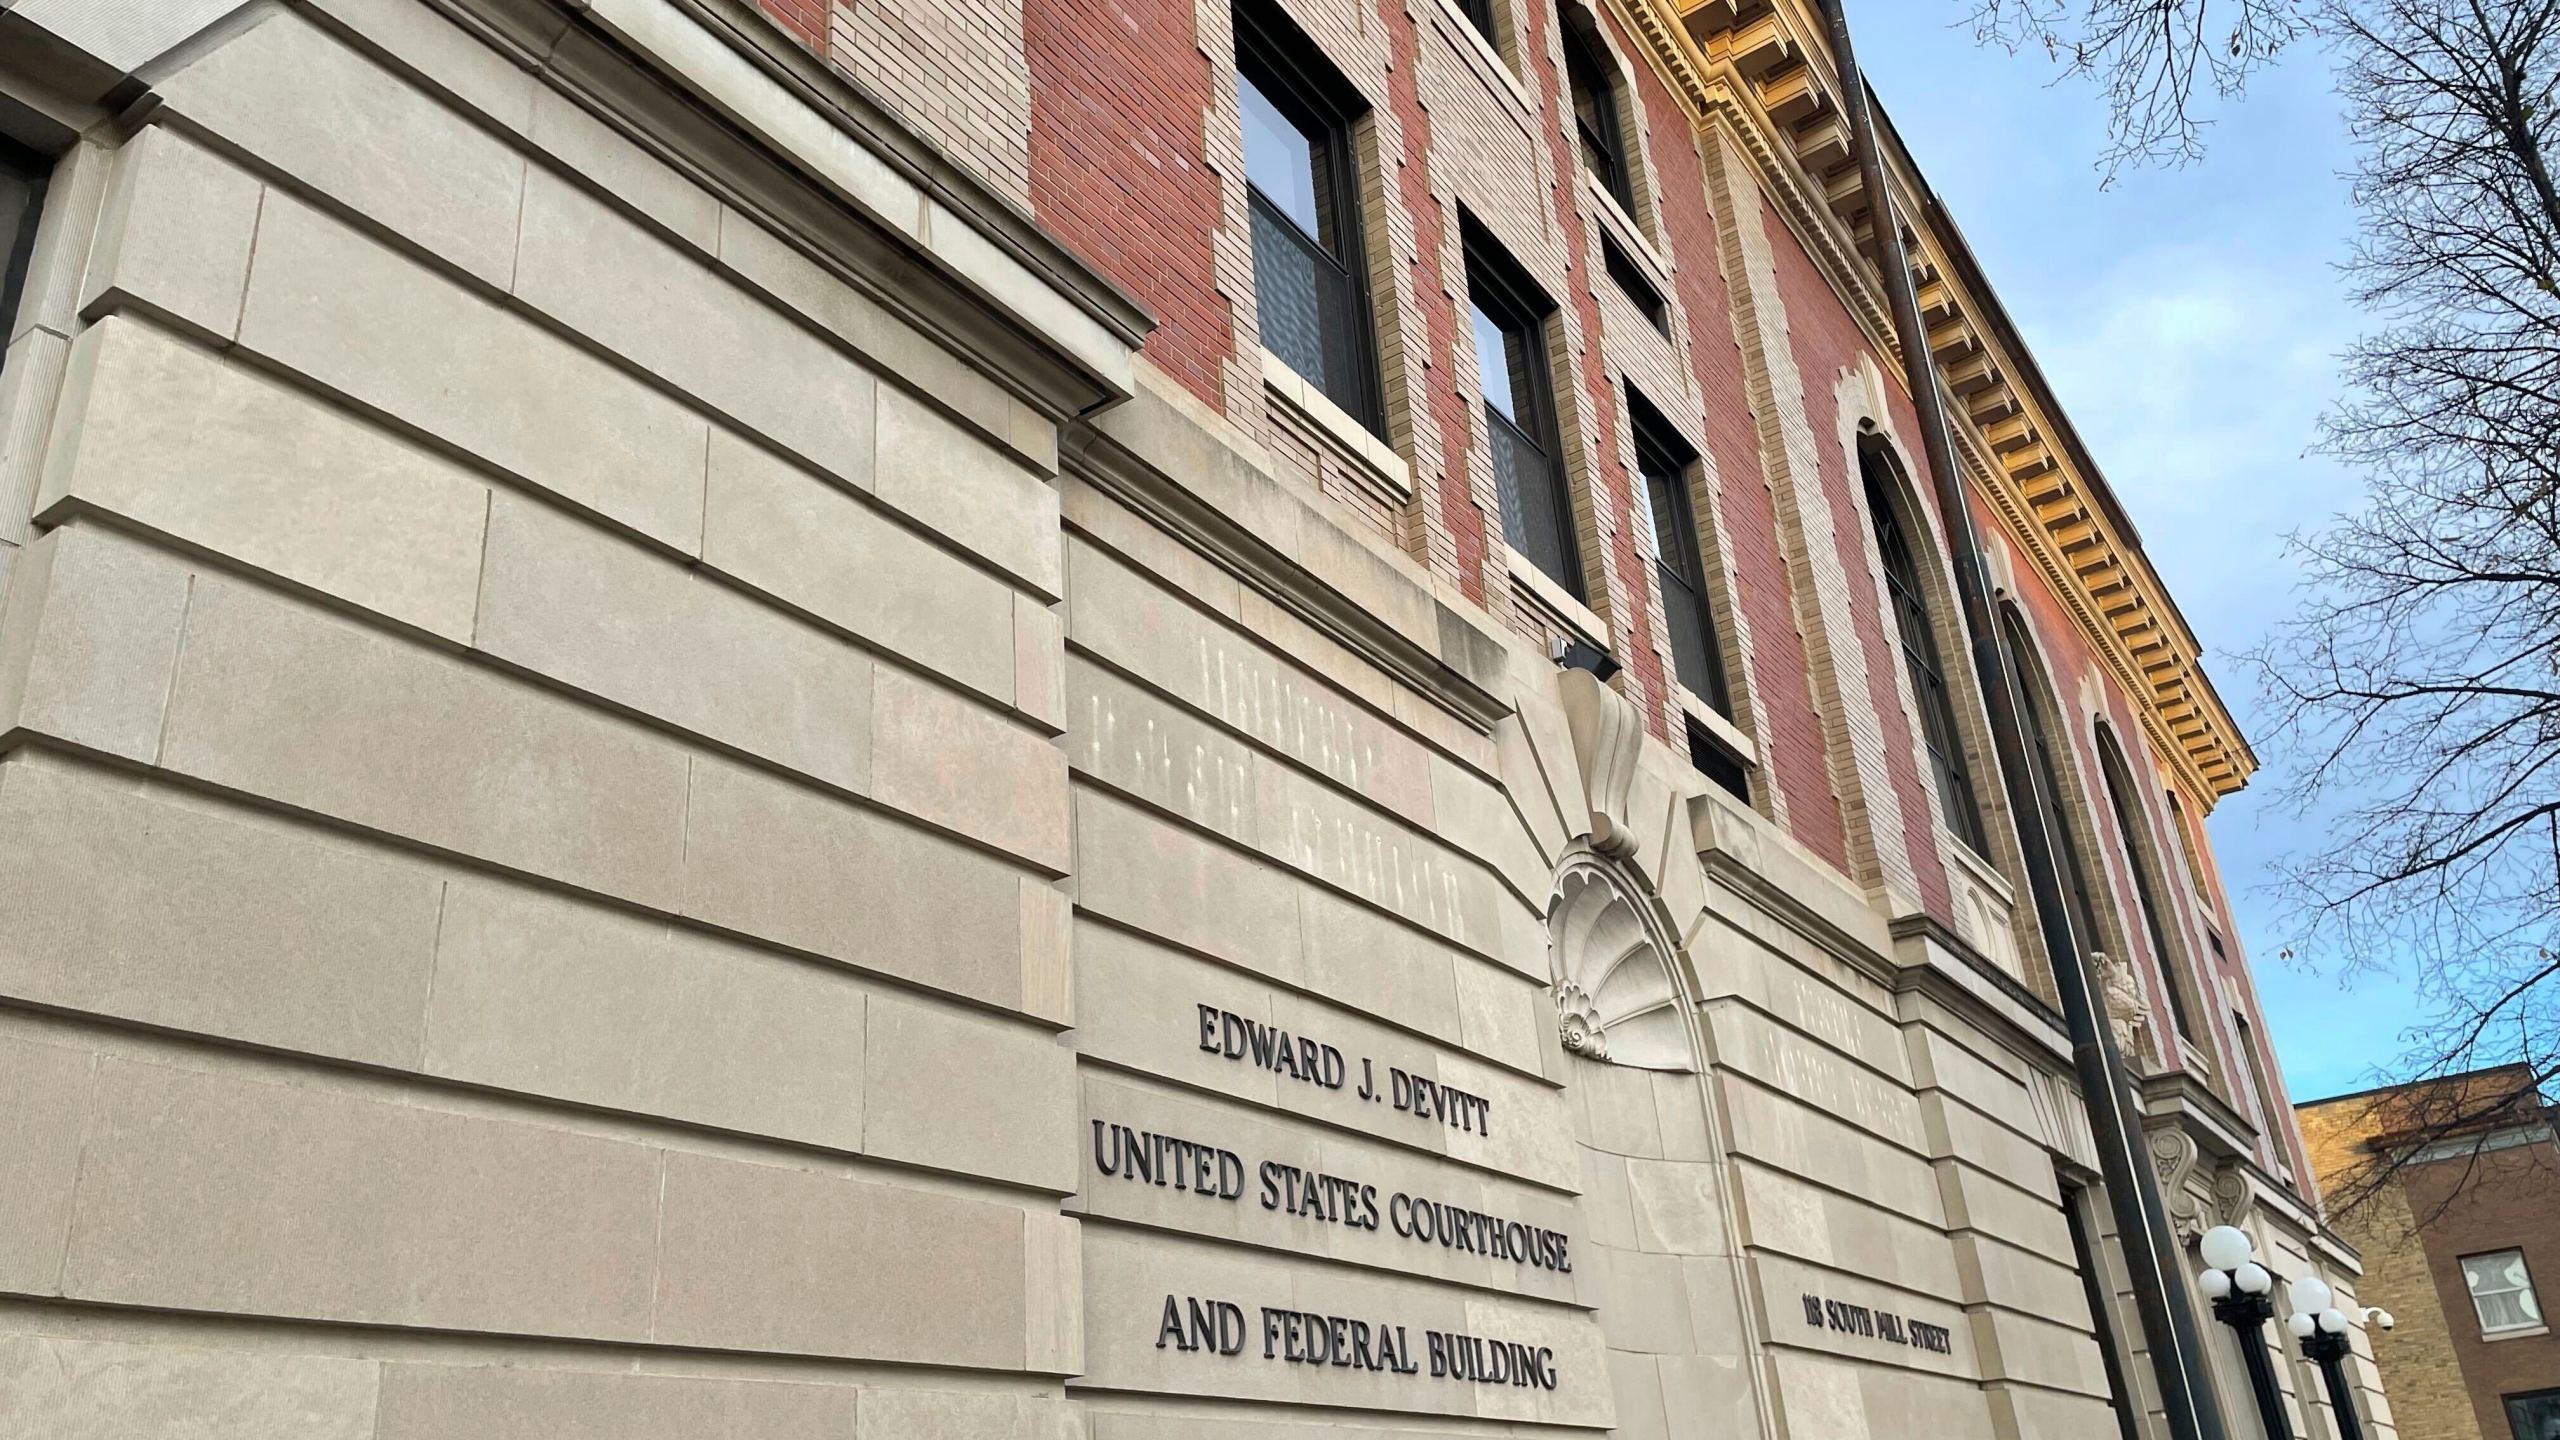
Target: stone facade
[
  {"x": 2481, "y": 1187},
  {"x": 692, "y": 742}
]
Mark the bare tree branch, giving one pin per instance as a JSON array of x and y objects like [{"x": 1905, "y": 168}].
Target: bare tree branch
[
  {"x": 2416, "y": 690},
  {"x": 2417, "y": 687},
  {"x": 2156, "y": 61}
]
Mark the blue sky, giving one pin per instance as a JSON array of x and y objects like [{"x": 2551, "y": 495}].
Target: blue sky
[{"x": 2190, "y": 320}]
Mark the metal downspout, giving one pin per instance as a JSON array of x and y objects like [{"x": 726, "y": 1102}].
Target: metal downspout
[{"x": 2142, "y": 1225}]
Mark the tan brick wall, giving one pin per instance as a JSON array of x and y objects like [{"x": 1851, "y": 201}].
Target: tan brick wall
[{"x": 2444, "y": 1381}]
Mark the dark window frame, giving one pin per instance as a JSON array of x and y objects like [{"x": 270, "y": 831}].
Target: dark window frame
[
  {"x": 2514, "y": 1406},
  {"x": 2141, "y": 857},
  {"x": 1602, "y": 139},
  {"x": 27, "y": 173},
  {"x": 1479, "y": 15},
  {"x": 1281, "y": 61},
  {"x": 1714, "y": 759},
  {"x": 1498, "y": 286},
  {"x": 1666, "y": 461},
  {"x": 2035, "y": 703},
  {"x": 1916, "y": 629},
  {"x": 2261, "y": 1084},
  {"x": 2187, "y": 849},
  {"x": 1632, "y": 282}
]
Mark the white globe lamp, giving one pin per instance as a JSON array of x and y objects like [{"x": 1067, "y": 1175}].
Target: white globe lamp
[{"x": 2226, "y": 1247}]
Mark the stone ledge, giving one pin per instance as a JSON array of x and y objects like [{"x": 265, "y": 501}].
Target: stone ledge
[
  {"x": 1347, "y": 436},
  {"x": 1225, "y": 501},
  {"x": 733, "y": 62}
]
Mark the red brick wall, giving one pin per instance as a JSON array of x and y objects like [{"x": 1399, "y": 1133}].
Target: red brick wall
[
  {"x": 804, "y": 20},
  {"x": 2503, "y": 1202},
  {"x": 2066, "y": 657},
  {"x": 1630, "y": 576},
  {"x": 1780, "y": 673},
  {"x": 1827, "y": 341},
  {"x": 1119, "y": 94},
  {"x": 1118, "y": 88}
]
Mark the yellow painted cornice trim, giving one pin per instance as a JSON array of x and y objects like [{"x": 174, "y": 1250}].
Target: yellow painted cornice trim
[{"x": 2060, "y": 525}]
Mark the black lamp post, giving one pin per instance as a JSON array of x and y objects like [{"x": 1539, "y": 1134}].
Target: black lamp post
[
  {"x": 2240, "y": 1289},
  {"x": 2322, "y": 1329}
]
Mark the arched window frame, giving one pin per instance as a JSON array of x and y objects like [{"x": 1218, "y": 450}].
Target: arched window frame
[
  {"x": 2188, "y": 1009},
  {"x": 2067, "y": 816},
  {"x": 1917, "y": 616},
  {"x": 2187, "y": 832}
]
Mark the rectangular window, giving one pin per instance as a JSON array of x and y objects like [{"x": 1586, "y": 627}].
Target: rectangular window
[
  {"x": 2502, "y": 1292},
  {"x": 1509, "y": 318},
  {"x": 1479, "y": 14},
  {"x": 1663, "y": 462},
  {"x": 2535, "y": 1416},
  {"x": 1595, "y": 115},
  {"x": 1311, "y": 284},
  {"x": 1709, "y": 757},
  {"x": 22, "y": 176},
  {"x": 1632, "y": 284}
]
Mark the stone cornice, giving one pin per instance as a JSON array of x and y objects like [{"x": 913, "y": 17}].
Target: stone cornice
[
  {"x": 2061, "y": 511},
  {"x": 1714, "y": 91},
  {"x": 1758, "y": 70}
]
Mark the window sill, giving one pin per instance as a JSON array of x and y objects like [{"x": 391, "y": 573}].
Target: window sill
[
  {"x": 2492, "y": 1337},
  {"x": 1622, "y": 227},
  {"x": 1726, "y": 733},
  {"x": 1542, "y": 587},
  {"x": 1384, "y": 464},
  {"x": 1978, "y": 869},
  {"x": 1488, "y": 61},
  {"x": 2189, "y": 1051}
]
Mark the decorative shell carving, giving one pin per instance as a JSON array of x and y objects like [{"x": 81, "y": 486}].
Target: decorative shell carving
[
  {"x": 1580, "y": 1022},
  {"x": 1615, "y": 996}
]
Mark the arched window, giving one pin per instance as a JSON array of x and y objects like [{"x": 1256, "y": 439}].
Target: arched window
[
  {"x": 1920, "y": 659},
  {"x": 2142, "y": 860},
  {"x": 2034, "y": 702},
  {"x": 2187, "y": 847}
]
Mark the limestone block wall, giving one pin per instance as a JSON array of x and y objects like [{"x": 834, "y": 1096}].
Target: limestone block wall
[
  {"x": 529, "y": 801},
  {"x": 1276, "y": 846},
  {"x": 1888, "y": 1154}
]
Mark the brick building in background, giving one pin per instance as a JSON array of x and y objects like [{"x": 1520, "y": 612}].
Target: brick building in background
[
  {"x": 845, "y": 717},
  {"x": 2460, "y": 1245}
]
